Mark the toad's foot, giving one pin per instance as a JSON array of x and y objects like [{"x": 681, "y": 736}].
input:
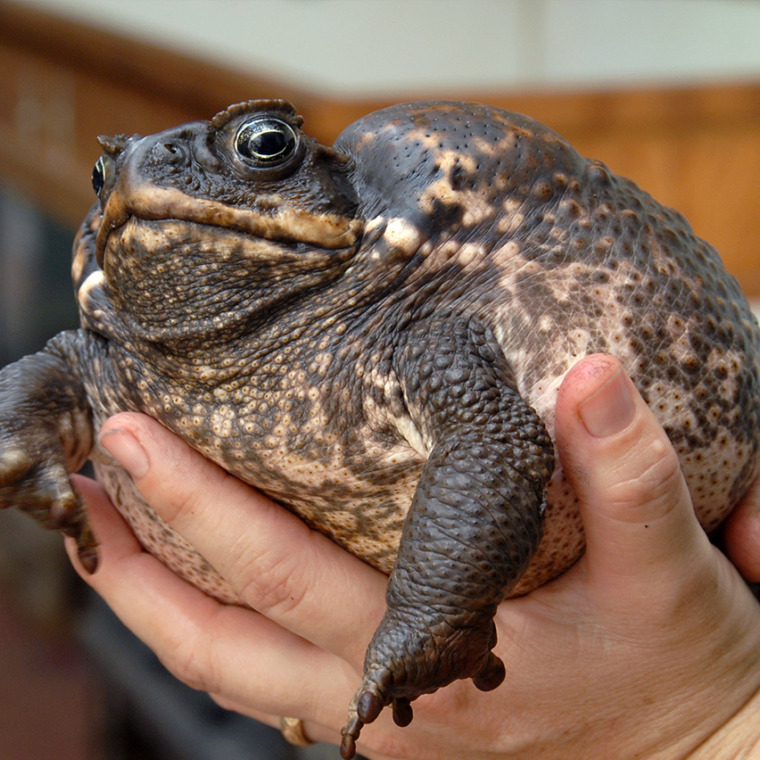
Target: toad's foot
[
  {"x": 408, "y": 657},
  {"x": 45, "y": 434},
  {"x": 43, "y": 490}
]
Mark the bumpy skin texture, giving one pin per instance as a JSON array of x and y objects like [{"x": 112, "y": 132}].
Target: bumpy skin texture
[{"x": 374, "y": 334}]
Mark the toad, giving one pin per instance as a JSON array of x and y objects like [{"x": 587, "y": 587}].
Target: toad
[{"x": 374, "y": 334}]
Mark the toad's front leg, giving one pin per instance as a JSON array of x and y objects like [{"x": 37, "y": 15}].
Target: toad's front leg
[
  {"x": 473, "y": 526},
  {"x": 46, "y": 433}
]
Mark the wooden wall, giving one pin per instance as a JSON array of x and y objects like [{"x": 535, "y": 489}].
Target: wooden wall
[{"x": 695, "y": 148}]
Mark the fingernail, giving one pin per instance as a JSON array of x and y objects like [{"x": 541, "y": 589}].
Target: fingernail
[
  {"x": 126, "y": 450},
  {"x": 609, "y": 409}
]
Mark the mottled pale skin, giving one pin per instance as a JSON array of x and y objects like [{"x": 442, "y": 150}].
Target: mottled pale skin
[{"x": 374, "y": 335}]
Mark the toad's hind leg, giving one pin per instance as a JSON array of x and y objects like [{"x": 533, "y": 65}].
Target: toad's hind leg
[
  {"x": 452, "y": 572},
  {"x": 472, "y": 528}
]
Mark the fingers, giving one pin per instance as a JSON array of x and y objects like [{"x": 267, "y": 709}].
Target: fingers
[
  {"x": 636, "y": 508},
  {"x": 293, "y": 575},
  {"x": 208, "y": 645},
  {"x": 741, "y": 534},
  {"x": 313, "y": 731}
]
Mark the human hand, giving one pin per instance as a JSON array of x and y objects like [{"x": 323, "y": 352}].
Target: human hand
[{"x": 648, "y": 647}]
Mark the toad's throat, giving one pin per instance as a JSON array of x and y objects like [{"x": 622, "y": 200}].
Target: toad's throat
[{"x": 150, "y": 202}]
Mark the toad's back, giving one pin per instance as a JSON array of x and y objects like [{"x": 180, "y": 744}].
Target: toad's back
[{"x": 562, "y": 258}]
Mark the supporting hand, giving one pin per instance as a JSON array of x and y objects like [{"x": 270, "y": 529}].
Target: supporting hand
[{"x": 648, "y": 647}]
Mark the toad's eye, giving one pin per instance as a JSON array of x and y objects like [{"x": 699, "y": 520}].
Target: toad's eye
[
  {"x": 99, "y": 175},
  {"x": 266, "y": 141}
]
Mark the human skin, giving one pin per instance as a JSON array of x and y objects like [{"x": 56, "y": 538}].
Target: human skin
[{"x": 648, "y": 647}]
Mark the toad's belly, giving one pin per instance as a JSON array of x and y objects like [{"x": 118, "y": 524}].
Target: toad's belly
[
  {"x": 159, "y": 539},
  {"x": 369, "y": 527},
  {"x": 562, "y": 545},
  {"x": 364, "y": 511},
  {"x": 372, "y": 531}
]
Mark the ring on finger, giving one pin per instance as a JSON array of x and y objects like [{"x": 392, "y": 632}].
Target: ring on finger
[{"x": 294, "y": 732}]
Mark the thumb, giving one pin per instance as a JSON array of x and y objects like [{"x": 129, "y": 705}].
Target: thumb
[
  {"x": 741, "y": 534},
  {"x": 637, "y": 513}
]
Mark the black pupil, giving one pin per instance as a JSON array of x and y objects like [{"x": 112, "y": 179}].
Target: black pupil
[
  {"x": 266, "y": 142},
  {"x": 98, "y": 178},
  {"x": 269, "y": 143}
]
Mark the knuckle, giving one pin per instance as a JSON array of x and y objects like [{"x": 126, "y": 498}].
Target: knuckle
[
  {"x": 185, "y": 495},
  {"x": 274, "y": 584},
  {"x": 173, "y": 503},
  {"x": 188, "y": 659},
  {"x": 656, "y": 485}
]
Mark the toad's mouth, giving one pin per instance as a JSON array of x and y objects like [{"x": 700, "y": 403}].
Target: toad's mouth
[{"x": 269, "y": 220}]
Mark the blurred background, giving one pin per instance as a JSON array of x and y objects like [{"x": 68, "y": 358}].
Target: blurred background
[{"x": 666, "y": 92}]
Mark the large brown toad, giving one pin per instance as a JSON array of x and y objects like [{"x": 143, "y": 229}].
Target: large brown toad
[{"x": 374, "y": 334}]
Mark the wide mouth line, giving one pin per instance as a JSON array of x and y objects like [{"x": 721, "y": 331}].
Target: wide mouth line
[
  {"x": 324, "y": 230},
  {"x": 266, "y": 250}
]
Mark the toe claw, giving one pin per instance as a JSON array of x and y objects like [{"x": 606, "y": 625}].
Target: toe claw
[
  {"x": 88, "y": 557},
  {"x": 350, "y": 734},
  {"x": 402, "y": 712},
  {"x": 63, "y": 514},
  {"x": 369, "y": 706},
  {"x": 491, "y": 675},
  {"x": 87, "y": 546},
  {"x": 14, "y": 464}
]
